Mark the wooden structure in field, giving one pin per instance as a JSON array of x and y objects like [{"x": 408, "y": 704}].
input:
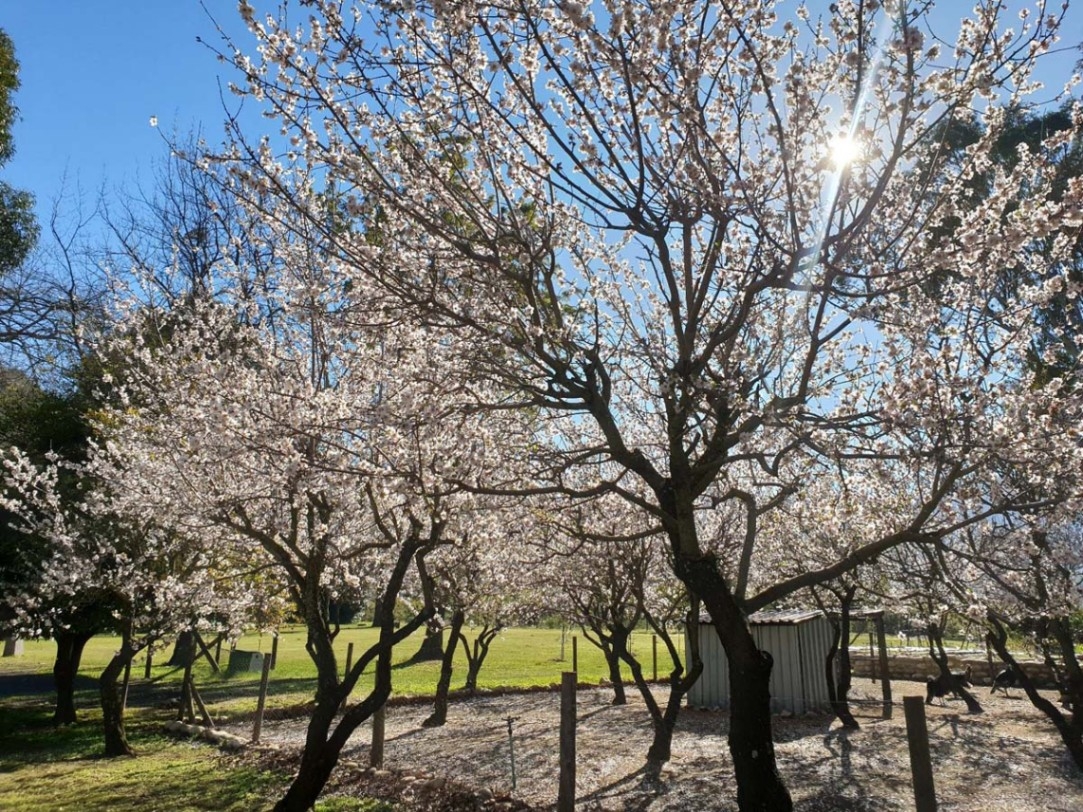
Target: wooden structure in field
[{"x": 799, "y": 642}]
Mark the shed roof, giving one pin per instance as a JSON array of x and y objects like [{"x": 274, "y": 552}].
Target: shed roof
[
  {"x": 862, "y": 614},
  {"x": 786, "y": 617}
]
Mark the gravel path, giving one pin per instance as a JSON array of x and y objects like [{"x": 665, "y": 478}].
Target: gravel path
[{"x": 1008, "y": 759}]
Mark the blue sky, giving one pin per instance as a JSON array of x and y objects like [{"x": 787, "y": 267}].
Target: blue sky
[{"x": 95, "y": 71}]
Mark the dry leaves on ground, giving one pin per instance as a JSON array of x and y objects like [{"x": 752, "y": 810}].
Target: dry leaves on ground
[{"x": 1008, "y": 758}]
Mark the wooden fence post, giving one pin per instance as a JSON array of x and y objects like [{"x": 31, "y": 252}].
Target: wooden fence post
[
  {"x": 575, "y": 654},
  {"x": 872, "y": 653},
  {"x": 274, "y": 650},
  {"x": 187, "y": 709},
  {"x": 566, "y": 793},
  {"x": 885, "y": 668},
  {"x": 126, "y": 684},
  {"x": 148, "y": 664},
  {"x": 379, "y": 722},
  {"x": 921, "y": 767},
  {"x": 257, "y": 726},
  {"x": 654, "y": 655}
]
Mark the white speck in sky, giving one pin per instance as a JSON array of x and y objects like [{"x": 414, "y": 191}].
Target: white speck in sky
[{"x": 154, "y": 121}]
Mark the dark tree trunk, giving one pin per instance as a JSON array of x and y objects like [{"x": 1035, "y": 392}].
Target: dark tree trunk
[
  {"x": 443, "y": 685},
  {"x": 432, "y": 646},
  {"x": 661, "y": 749},
  {"x": 184, "y": 650},
  {"x": 759, "y": 785},
  {"x": 322, "y": 744},
  {"x": 112, "y": 699},
  {"x": 318, "y": 759},
  {"x": 476, "y": 657},
  {"x": 69, "y": 652},
  {"x": 664, "y": 721},
  {"x": 1071, "y": 673},
  {"x": 1069, "y": 728},
  {"x": 187, "y": 711},
  {"x": 840, "y": 700},
  {"x": 612, "y": 659},
  {"x": 377, "y": 613}
]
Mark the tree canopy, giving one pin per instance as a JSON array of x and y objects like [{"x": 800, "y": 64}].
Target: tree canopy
[{"x": 18, "y": 226}]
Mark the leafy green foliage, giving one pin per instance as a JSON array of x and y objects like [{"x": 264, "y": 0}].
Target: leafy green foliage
[{"x": 18, "y": 228}]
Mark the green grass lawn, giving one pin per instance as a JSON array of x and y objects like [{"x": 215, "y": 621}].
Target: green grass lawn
[
  {"x": 518, "y": 657},
  {"x": 42, "y": 768}
]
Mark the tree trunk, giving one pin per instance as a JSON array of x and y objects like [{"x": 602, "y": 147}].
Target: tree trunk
[
  {"x": 116, "y": 739},
  {"x": 318, "y": 760},
  {"x": 184, "y": 650},
  {"x": 187, "y": 713},
  {"x": 432, "y": 647},
  {"x": 664, "y": 721},
  {"x": 612, "y": 659},
  {"x": 840, "y": 702},
  {"x": 69, "y": 652},
  {"x": 661, "y": 749},
  {"x": 1070, "y": 729},
  {"x": 439, "y": 712},
  {"x": 759, "y": 785},
  {"x": 476, "y": 657},
  {"x": 322, "y": 744},
  {"x": 1072, "y": 679}
]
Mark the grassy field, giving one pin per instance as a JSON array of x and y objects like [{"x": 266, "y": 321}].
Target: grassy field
[
  {"x": 519, "y": 657},
  {"x": 43, "y": 769}
]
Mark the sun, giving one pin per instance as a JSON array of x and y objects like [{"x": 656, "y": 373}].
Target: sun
[{"x": 845, "y": 150}]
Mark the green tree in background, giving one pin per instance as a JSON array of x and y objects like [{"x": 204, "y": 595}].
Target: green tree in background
[
  {"x": 18, "y": 228},
  {"x": 1057, "y": 312}
]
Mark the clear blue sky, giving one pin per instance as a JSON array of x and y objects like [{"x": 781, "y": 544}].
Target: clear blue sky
[{"x": 95, "y": 71}]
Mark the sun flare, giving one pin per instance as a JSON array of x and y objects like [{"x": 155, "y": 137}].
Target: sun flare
[{"x": 845, "y": 150}]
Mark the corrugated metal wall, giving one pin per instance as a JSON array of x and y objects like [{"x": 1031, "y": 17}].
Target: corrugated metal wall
[{"x": 798, "y": 680}]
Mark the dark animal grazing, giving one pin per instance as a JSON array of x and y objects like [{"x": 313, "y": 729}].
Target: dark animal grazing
[
  {"x": 1004, "y": 680},
  {"x": 940, "y": 686}
]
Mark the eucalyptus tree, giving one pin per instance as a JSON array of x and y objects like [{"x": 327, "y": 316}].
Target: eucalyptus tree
[
  {"x": 18, "y": 227},
  {"x": 693, "y": 235}
]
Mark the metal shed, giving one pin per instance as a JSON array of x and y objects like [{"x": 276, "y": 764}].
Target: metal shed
[{"x": 799, "y": 641}]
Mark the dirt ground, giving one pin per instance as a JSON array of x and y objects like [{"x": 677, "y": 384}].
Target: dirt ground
[{"x": 1008, "y": 758}]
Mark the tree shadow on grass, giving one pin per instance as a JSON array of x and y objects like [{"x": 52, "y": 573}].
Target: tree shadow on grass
[
  {"x": 28, "y": 735},
  {"x": 38, "y": 686}
]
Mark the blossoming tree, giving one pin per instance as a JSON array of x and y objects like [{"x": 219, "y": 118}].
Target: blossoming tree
[
  {"x": 720, "y": 244},
  {"x": 297, "y": 420},
  {"x": 602, "y": 565},
  {"x": 155, "y": 580},
  {"x": 1025, "y": 576}
]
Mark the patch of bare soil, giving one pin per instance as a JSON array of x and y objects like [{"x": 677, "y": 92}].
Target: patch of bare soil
[{"x": 1008, "y": 758}]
